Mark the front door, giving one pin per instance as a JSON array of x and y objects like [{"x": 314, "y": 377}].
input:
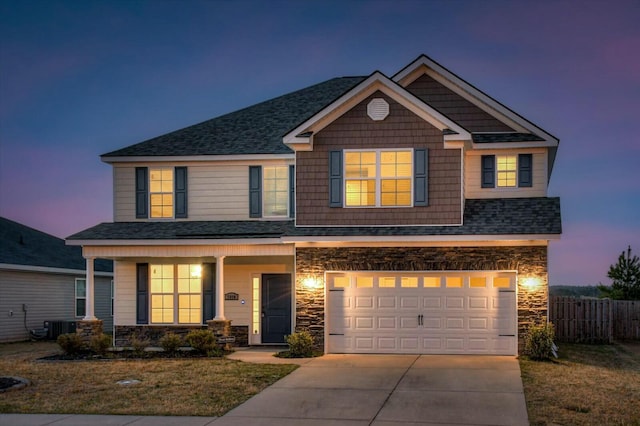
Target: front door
[{"x": 276, "y": 307}]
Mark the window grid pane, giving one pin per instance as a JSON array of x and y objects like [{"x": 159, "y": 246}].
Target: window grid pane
[
  {"x": 176, "y": 289},
  {"x": 161, "y": 193},
  {"x": 506, "y": 166},
  {"x": 276, "y": 191}
]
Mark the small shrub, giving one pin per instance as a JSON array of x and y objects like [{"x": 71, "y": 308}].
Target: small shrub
[
  {"x": 171, "y": 342},
  {"x": 71, "y": 343},
  {"x": 100, "y": 343},
  {"x": 300, "y": 344},
  {"x": 202, "y": 341},
  {"x": 139, "y": 344},
  {"x": 538, "y": 342}
]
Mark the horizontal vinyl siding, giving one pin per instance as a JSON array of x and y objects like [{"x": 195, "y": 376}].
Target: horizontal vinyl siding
[
  {"x": 472, "y": 173},
  {"x": 124, "y": 202},
  {"x": 125, "y": 283},
  {"x": 216, "y": 191},
  {"x": 48, "y": 297}
]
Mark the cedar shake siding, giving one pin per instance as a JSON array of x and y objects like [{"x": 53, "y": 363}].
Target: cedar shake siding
[
  {"x": 355, "y": 130},
  {"x": 455, "y": 106}
]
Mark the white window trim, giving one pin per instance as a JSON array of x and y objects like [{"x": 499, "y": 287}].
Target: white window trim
[
  {"x": 76, "y": 298},
  {"x": 378, "y": 178}
]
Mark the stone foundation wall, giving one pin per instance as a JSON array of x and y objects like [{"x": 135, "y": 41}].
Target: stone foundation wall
[
  {"x": 529, "y": 262},
  {"x": 88, "y": 328},
  {"x": 154, "y": 333}
]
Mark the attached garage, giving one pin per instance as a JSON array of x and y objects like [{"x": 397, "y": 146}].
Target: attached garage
[{"x": 452, "y": 312}]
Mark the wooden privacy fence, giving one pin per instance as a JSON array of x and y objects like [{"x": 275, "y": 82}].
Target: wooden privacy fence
[{"x": 594, "y": 320}]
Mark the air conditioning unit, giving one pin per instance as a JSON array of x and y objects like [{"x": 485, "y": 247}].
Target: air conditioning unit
[{"x": 56, "y": 328}]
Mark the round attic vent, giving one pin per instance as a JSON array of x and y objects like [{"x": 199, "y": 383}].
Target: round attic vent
[{"x": 378, "y": 109}]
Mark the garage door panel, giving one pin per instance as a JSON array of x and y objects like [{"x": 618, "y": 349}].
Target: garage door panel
[
  {"x": 432, "y": 302},
  {"x": 429, "y": 319},
  {"x": 409, "y": 302},
  {"x": 387, "y": 302},
  {"x": 364, "y": 302},
  {"x": 387, "y": 323},
  {"x": 454, "y": 302}
]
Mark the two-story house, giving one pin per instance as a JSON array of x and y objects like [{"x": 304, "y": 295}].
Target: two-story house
[{"x": 404, "y": 214}]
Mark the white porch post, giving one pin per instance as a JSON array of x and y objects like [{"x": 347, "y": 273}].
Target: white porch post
[
  {"x": 89, "y": 316},
  {"x": 219, "y": 288}
]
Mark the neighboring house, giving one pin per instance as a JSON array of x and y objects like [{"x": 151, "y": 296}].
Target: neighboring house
[
  {"x": 404, "y": 214},
  {"x": 42, "y": 279}
]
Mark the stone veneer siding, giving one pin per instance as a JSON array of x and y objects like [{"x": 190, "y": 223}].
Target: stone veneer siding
[
  {"x": 529, "y": 262},
  {"x": 154, "y": 333}
]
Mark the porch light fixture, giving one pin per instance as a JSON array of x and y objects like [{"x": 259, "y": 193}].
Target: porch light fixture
[
  {"x": 531, "y": 282},
  {"x": 312, "y": 282}
]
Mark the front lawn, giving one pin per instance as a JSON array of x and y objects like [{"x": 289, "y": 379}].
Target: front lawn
[
  {"x": 586, "y": 385},
  {"x": 180, "y": 387}
]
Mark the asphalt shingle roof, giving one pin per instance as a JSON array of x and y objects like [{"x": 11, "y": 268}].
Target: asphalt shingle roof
[
  {"x": 21, "y": 245},
  {"x": 505, "y": 137},
  {"x": 257, "y": 129},
  {"x": 505, "y": 216}
]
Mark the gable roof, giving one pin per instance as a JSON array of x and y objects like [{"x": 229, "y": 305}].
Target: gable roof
[
  {"x": 21, "y": 245},
  {"x": 488, "y": 217},
  {"x": 302, "y": 134},
  {"x": 257, "y": 129}
]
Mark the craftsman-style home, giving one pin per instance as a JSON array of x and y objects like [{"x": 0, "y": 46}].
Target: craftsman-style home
[{"x": 403, "y": 214}]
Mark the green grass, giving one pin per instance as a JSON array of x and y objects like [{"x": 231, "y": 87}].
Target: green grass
[
  {"x": 586, "y": 385},
  {"x": 179, "y": 387}
]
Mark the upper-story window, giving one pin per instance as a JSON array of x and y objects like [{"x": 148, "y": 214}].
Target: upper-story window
[
  {"x": 378, "y": 178},
  {"x": 271, "y": 191},
  {"x": 161, "y": 192},
  {"x": 276, "y": 191},
  {"x": 507, "y": 171}
]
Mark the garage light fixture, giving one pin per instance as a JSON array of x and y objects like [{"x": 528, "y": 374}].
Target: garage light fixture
[
  {"x": 312, "y": 282},
  {"x": 531, "y": 282}
]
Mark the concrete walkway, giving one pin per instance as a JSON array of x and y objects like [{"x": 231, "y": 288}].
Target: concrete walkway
[{"x": 377, "y": 390}]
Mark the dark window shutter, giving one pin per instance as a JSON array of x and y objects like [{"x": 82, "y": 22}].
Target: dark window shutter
[
  {"x": 292, "y": 191},
  {"x": 180, "y": 189},
  {"x": 255, "y": 191},
  {"x": 335, "y": 179},
  {"x": 420, "y": 177},
  {"x": 488, "y": 165},
  {"x": 142, "y": 193},
  {"x": 525, "y": 170},
  {"x": 208, "y": 291},
  {"x": 142, "y": 293}
]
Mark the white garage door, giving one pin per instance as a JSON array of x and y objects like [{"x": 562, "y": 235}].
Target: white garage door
[{"x": 425, "y": 313}]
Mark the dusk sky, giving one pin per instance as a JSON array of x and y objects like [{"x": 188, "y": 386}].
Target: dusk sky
[{"x": 82, "y": 78}]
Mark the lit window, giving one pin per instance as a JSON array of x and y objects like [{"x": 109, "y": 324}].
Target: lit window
[
  {"x": 501, "y": 282},
  {"x": 181, "y": 283},
  {"x": 378, "y": 178},
  {"x": 340, "y": 282},
  {"x": 276, "y": 191},
  {"x": 506, "y": 170},
  {"x": 409, "y": 282},
  {"x": 161, "y": 192},
  {"x": 387, "y": 282},
  {"x": 364, "y": 282},
  {"x": 454, "y": 282},
  {"x": 81, "y": 297},
  {"x": 431, "y": 282},
  {"x": 477, "y": 282}
]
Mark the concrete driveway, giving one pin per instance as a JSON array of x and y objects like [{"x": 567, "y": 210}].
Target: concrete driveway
[{"x": 385, "y": 390}]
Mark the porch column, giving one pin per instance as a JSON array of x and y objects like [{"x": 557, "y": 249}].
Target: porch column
[
  {"x": 219, "y": 288},
  {"x": 89, "y": 316}
]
